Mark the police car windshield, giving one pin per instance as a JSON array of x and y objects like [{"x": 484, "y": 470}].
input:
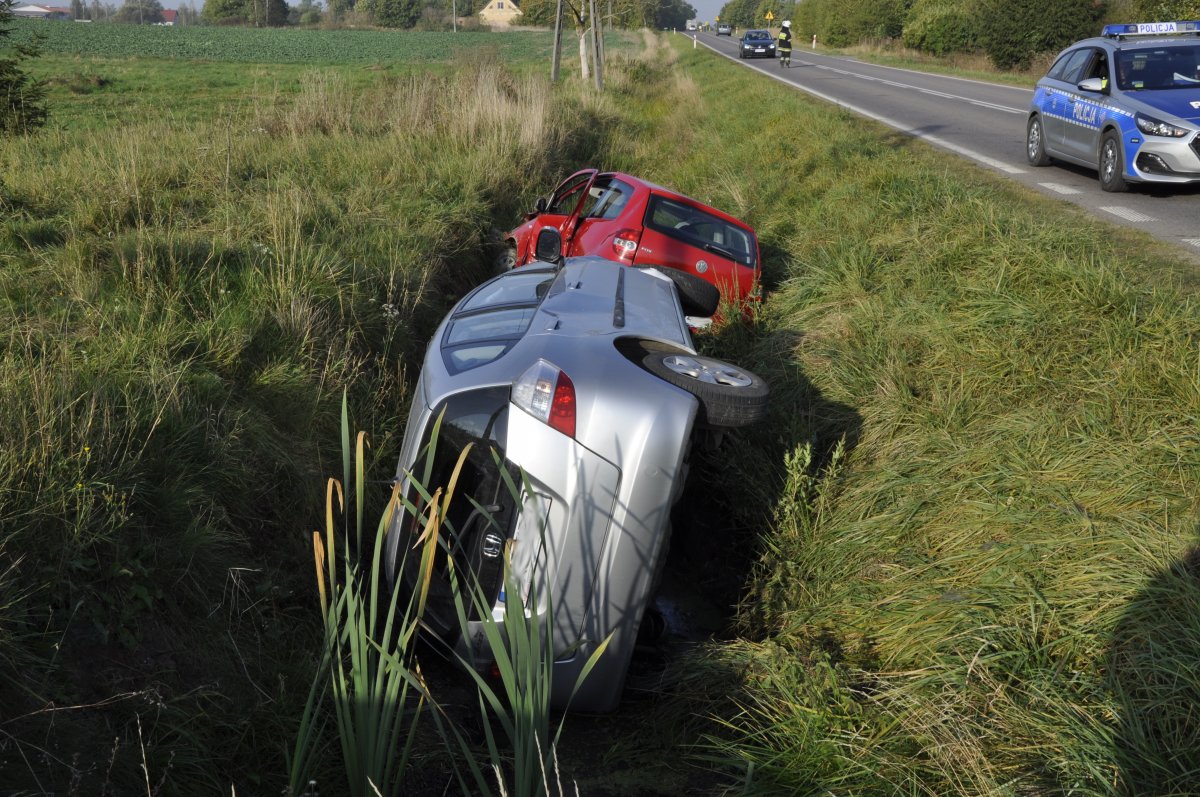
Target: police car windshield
[{"x": 1157, "y": 68}]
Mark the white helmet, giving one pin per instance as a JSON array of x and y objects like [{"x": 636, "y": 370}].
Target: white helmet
[{"x": 787, "y": 23}]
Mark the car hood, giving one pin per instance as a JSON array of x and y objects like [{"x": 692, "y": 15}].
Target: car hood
[
  {"x": 1178, "y": 103},
  {"x": 748, "y": 43}
]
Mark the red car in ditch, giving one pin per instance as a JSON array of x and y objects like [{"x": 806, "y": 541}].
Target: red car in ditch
[{"x": 626, "y": 219}]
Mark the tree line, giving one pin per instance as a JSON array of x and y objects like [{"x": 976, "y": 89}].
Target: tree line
[{"x": 1009, "y": 32}]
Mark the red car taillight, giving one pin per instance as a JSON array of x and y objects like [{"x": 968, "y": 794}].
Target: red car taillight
[
  {"x": 547, "y": 393},
  {"x": 625, "y": 244}
]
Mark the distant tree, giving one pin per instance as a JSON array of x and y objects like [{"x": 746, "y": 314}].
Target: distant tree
[
  {"x": 140, "y": 12},
  {"x": 307, "y": 12},
  {"x": 339, "y": 8},
  {"x": 268, "y": 13},
  {"x": 226, "y": 12},
  {"x": 22, "y": 99},
  {"x": 395, "y": 13},
  {"x": 77, "y": 10},
  {"x": 187, "y": 15}
]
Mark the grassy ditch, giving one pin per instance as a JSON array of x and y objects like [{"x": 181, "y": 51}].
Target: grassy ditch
[
  {"x": 962, "y": 548},
  {"x": 978, "y": 508}
]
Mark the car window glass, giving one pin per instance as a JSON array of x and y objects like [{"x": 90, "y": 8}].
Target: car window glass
[
  {"x": 700, "y": 229},
  {"x": 490, "y": 325},
  {"x": 567, "y": 197},
  {"x": 517, "y": 287},
  {"x": 606, "y": 198},
  {"x": 1098, "y": 66},
  {"x": 1074, "y": 63}
]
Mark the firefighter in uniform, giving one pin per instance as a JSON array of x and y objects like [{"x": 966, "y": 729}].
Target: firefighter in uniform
[{"x": 784, "y": 45}]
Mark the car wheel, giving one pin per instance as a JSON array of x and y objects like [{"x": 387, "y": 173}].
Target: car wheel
[
  {"x": 729, "y": 396},
  {"x": 697, "y": 296},
  {"x": 1035, "y": 142},
  {"x": 506, "y": 260},
  {"x": 1112, "y": 163}
]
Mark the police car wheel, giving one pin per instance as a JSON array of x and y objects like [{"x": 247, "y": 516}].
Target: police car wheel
[
  {"x": 1112, "y": 164},
  {"x": 1035, "y": 142}
]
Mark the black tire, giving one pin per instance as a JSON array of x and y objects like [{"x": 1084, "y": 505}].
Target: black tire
[
  {"x": 730, "y": 397},
  {"x": 698, "y": 297},
  {"x": 1035, "y": 142},
  {"x": 1112, "y": 164},
  {"x": 506, "y": 260}
]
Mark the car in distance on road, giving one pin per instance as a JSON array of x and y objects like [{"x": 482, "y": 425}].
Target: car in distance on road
[
  {"x": 757, "y": 44},
  {"x": 724, "y": 29},
  {"x": 580, "y": 381},
  {"x": 1126, "y": 103},
  {"x": 624, "y": 218}
]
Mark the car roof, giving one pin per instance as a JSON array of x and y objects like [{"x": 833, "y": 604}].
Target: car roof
[{"x": 671, "y": 194}]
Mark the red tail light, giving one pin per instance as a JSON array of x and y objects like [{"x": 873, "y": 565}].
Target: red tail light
[
  {"x": 625, "y": 245},
  {"x": 548, "y": 394}
]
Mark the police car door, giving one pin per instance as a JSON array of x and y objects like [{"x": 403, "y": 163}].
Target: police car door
[
  {"x": 1059, "y": 87},
  {"x": 1085, "y": 111}
]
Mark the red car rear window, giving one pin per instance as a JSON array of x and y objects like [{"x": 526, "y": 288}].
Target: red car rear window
[{"x": 702, "y": 230}]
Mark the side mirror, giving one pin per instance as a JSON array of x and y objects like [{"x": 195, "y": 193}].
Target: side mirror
[
  {"x": 1093, "y": 84},
  {"x": 541, "y": 205},
  {"x": 549, "y": 246}
]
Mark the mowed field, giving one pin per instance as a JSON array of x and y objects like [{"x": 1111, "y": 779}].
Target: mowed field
[{"x": 959, "y": 559}]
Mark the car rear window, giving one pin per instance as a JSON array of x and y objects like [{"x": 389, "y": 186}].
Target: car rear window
[
  {"x": 493, "y": 318},
  {"x": 703, "y": 230}
]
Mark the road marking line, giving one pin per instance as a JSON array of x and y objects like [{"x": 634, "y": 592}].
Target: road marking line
[
  {"x": 1059, "y": 188},
  {"x": 892, "y": 123},
  {"x": 931, "y": 92},
  {"x": 1129, "y": 214},
  {"x": 1192, "y": 242}
]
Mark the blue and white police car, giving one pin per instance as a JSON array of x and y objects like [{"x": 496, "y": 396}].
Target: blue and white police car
[{"x": 1126, "y": 103}]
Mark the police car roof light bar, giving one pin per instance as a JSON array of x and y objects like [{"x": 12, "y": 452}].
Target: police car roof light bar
[{"x": 1177, "y": 28}]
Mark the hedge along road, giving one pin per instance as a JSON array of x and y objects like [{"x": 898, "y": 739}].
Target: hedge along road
[{"x": 983, "y": 122}]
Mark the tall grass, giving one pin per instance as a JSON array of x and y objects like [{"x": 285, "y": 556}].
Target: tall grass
[
  {"x": 184, "y": 300},
  {"x": 970, "y": 597}
]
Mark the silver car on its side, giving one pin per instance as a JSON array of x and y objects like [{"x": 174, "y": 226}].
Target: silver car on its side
[{"x": 580, "y": 380}]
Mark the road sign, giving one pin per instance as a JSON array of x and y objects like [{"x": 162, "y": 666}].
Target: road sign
[{"x": 769, "y": 16}]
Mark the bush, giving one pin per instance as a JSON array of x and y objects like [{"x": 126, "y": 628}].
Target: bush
[
  {"x": 941, "y": 27},
  {"x": 1011, "y": 32}
]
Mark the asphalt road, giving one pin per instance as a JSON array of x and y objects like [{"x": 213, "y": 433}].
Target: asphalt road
[{"x": 982, "y": 122}]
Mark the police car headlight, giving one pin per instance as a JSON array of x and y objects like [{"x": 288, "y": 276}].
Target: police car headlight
[{"x": 1155, "y": 127}]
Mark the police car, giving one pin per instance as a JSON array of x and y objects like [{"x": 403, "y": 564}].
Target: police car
[{"x": 1126, "y": 103}]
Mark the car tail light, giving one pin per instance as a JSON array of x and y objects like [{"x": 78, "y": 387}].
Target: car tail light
[
  {"x": 625, "y": 244},
  {"x": 548, "y": 394}
]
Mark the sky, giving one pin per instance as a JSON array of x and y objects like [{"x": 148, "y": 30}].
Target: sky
[{"x": 706, "y": 9}]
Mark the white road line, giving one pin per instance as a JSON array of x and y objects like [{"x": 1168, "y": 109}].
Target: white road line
[
  {"x": 971, "y": 154},
  {"x": 1192, "y": 242},
  {"x": 910, "y": 87},
  {"x": 1129, "y": 214},
  {"x": 1059, "y": 188}
]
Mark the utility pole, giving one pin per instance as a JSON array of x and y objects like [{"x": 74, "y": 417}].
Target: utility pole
[
  {"x": 595, "y": 47},
  {"x": 557, "y": 56}
]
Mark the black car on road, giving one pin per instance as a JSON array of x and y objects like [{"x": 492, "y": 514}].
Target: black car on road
[{"x": 757, "y": 44}]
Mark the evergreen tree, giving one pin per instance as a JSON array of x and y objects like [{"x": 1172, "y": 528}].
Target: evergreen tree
[
  {"x": 22, "y": 99},
  {"x": 226, "y": 12},
  {"x": 77, "y": 9},
  {"x": 396, "y": 13}
]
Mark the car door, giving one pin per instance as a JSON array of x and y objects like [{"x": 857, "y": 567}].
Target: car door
[
  {"x": 1059, "y": 86},
  {"x": 603, "y": 214},
  {"x": 561, "y": 211},
  {"x": 1081, "y": 132}
]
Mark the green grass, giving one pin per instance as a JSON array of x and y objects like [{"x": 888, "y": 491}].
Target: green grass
[{"x": 962, "y": 546}]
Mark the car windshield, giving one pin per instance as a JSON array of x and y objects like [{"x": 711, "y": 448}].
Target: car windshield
[
  {"x": 1157, "y": 68},
  {"x": 758, "y": 36}
]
